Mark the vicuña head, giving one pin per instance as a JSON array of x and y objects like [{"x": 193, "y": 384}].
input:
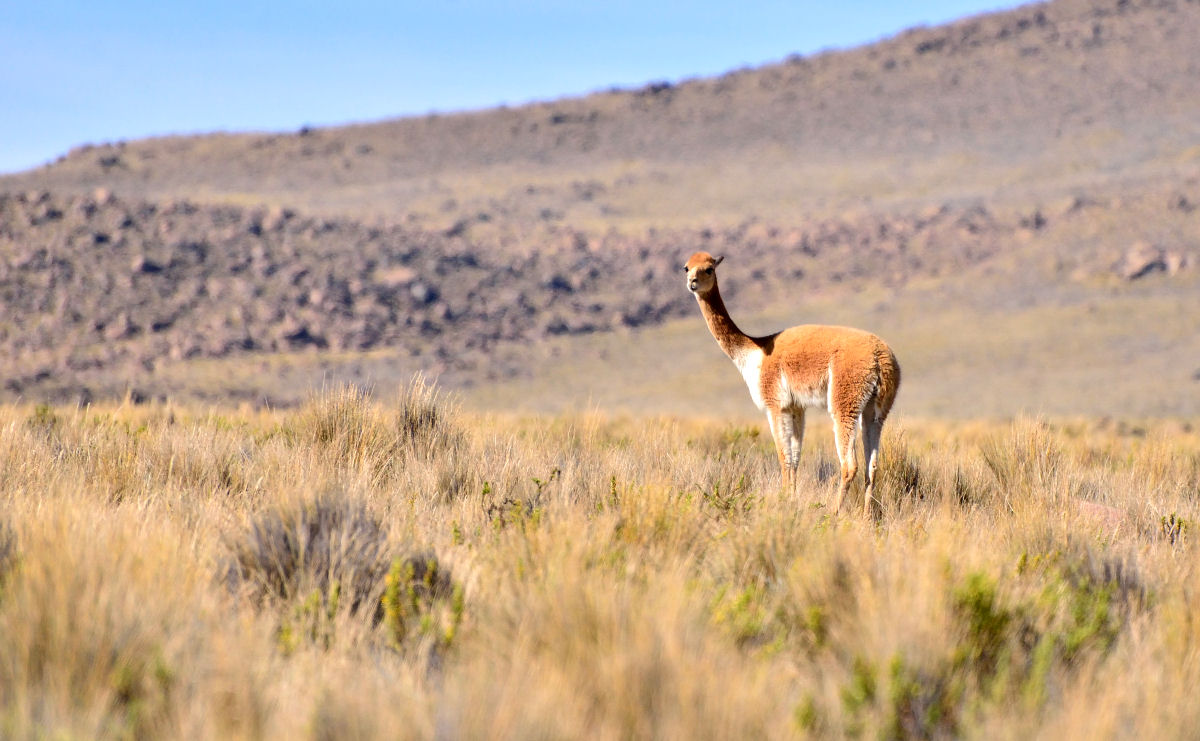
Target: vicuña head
[
  {"x": 851, "y": 373},
  {"x": 702, "y": 272}
]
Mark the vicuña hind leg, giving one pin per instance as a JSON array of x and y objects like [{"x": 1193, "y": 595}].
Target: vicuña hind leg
[
  {"x": 794, "y": 440},
  {"x": 872, "y": 431},
  {"x": 845, "y": 432}
]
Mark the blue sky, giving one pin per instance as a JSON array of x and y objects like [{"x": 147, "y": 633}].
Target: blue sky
[{"x": 88, "y": 72}]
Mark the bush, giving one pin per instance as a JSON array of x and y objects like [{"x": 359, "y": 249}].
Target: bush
[
  {"x": 900, "y": 472},
  {"x": 415, "y": 601},
  {"x": 1029, "y": 459},
  {"x": 327, "y": 559},
  {"x": 344, "y": 425},
  {"x": 356, "y": 433},
  {"x": 8, "y": 552},
  {"x": 425, "y": 419},
  {"x": 331, "y": 545}
]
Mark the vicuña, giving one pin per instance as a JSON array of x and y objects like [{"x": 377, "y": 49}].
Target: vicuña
[{"x": 851, "y": 373}]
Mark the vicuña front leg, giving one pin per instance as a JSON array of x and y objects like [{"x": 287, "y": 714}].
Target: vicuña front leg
[{"x": 780, "y": 424}]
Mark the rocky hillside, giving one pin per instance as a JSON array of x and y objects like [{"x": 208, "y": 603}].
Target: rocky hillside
[{"x": 97, "y": 291}]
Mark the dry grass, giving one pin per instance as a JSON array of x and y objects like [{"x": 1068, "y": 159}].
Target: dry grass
[{"x": 405, "y": 569}]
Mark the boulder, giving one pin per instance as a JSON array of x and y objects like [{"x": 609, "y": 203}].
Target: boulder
[{"x": 1140, "y": 260}]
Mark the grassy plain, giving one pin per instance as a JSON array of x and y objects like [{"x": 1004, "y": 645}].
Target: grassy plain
[
  {"x": 986, "y": 346},
  {"x": 967, "y": 351},
  {"x": 404, "y": 568}
]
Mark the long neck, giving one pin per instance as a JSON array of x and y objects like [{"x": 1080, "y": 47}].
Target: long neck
[{"x": 731, "y": 339}]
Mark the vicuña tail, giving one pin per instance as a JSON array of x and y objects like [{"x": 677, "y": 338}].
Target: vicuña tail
[{"x": 889, "y": 379}]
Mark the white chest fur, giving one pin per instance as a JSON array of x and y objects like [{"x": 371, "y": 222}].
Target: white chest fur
[{"x": 750, "y": 364}]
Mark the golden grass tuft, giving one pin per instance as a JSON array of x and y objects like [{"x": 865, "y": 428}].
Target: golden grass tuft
[
  {"x": 407, "y": 569},
  {"x": 330, "y": 544}
]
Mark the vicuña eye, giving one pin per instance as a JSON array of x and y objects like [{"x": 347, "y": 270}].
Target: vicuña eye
[{"x": 708, "y": 271}]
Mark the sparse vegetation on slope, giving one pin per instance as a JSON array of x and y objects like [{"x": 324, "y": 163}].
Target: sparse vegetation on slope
[
  {"x": 172, "y": 572},
  {"x": 103, "y": 296}
]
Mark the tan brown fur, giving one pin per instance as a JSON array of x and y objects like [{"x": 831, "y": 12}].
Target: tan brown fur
[{"x": 852, "y": 373}]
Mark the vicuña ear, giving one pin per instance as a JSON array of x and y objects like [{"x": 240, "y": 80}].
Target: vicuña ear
[{"x": 718, "y": 261}]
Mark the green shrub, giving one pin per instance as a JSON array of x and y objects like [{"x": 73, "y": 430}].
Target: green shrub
[
  {"x": 1174, "y": 528},
  {"x": 919, "y": 706},
  {"x": 986, "y": 623},
  {"x": 421, "y": 599}
]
